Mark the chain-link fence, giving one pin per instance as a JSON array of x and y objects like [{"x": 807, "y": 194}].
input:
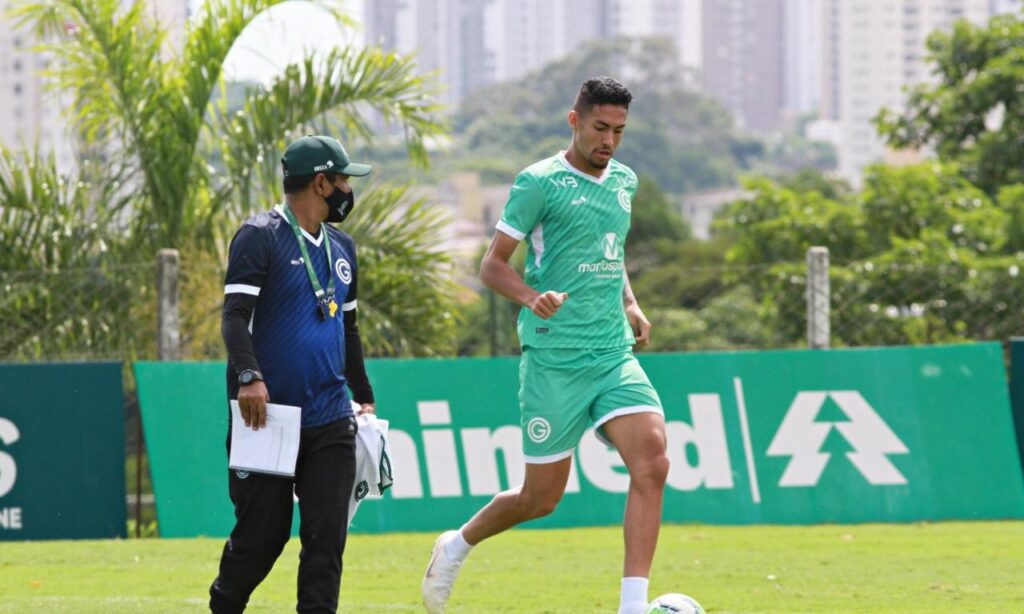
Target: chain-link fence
[
  {"x": 862, "y": 303},
  {"x": 76, "y": 314},
  {"x": 894, "y": 303},
  {"x": 106, "y": 313},
  {"x": 111, "y": 313}
]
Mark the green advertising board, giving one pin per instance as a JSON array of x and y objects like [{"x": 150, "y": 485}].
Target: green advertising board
[
  {"x": 893, "y": 434},
  {"x": 61, "y": 451}
]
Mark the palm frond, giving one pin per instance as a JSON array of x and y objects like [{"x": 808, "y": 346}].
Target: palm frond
[
  {"x": 407, "y": 292},
  {"x": 61, "y": 289},
  {"x": 348, "y": 85}
]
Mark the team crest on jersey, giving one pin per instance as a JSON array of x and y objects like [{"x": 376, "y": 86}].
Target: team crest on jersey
[
  {"x": 344, "y": 270},
  {"x": 538, "y": 429},
  {"x": 624, "y": 201}
]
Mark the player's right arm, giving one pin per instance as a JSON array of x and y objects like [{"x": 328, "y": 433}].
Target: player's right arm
[
  {"x": 523, "y": 211},
  {"x": 498, "y": 275}
]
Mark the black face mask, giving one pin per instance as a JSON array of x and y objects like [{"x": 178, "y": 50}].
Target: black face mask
[{"x": 339, "y": 205}]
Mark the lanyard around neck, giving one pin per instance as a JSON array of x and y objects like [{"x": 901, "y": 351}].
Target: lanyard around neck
[{"x": 321, "y": 295}]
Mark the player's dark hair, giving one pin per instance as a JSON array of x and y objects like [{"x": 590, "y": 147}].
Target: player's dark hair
[
  {"x": 294, "y": 185},
  {"x": 601, "y": 90}
]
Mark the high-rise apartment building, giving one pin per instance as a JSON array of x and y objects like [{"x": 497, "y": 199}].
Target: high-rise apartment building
[
  {"x": 875, "y": 49},
  {"x": 743, "y": 59},
  {"x": 998, "y": 7},
  {"x": 524, "y": 35},
  {"x": 29, "y": 115},
  {"x": 802, "y": 56},
  {"x": 475, "y": 42},
  {"x": 432, "y": 31}
]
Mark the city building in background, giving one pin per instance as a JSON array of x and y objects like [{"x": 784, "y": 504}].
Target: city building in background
[
  {"x": 802, "y": 56},
  {"x": 769, "y": 62},
  {"x": 743, "y": 59},
  {"x": 472, "y": 43},
  {"x": 32, "y": 116},
  {"x": 873, "y": 51},
  {"x": 523, "y": 35}
]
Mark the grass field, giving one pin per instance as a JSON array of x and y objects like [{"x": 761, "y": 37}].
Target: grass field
[{"x": 933, "y": 568}]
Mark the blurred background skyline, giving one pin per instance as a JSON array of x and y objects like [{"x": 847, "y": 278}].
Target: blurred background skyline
[
  {"x": 818, "y": 68},
  {"x": 759, "y": 129}
]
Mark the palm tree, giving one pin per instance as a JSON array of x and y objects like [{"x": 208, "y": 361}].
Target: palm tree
[
  {"x": 150, "y": 119},
  {"x": 61, "y": 292}
]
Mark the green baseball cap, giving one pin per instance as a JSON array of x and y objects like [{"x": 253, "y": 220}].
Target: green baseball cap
[{"x": 319, "y": 154}]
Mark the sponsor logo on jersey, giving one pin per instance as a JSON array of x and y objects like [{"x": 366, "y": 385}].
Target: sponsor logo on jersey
[
  {"x": 611, "y": 245},
  {"x": 564, "y": 182},
  {"x": 611, "y": 267}
]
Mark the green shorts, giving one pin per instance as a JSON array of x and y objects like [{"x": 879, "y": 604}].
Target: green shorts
[{"x": 563, "y": 392}]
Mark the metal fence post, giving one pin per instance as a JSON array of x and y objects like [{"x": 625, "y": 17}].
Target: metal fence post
[
  {"x": 818, "y": 295},
  {"x": 168, "y": 336},
  {"x": 168, "y": 347}
]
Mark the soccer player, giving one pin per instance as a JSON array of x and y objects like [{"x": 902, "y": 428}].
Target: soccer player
[
  {"x": 289, "y": 324},
  {"x": 577, "y": 327}
]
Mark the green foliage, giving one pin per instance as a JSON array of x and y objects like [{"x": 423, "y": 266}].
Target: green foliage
[
  {"x": 685, "y": 140},
  {"x": 489, "y": 320},
  {"x": 732, "y": 319},
  {"x": 152, "y": 121},
  {"x": 813, "y": 180},
  {"x": 686, "y": 275},
  {"x": 65, "y": 289},
  {"x": 654, "y": 224},
  {"x": 407, "y": 307},
  {"x": 300, "y": 102},
  {"x": 972, "y": 112},
  {"x": 143, "y": 530},
  {"x": 919, "y": 256}
]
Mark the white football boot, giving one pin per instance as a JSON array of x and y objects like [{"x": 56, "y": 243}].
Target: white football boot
[{"x": 440, "y": 576}]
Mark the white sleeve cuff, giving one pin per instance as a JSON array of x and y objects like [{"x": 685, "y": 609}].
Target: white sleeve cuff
[
  {"x": 349, "y": 306},
  {"x": 512, "y": 232},
  {"x": 241, "y": 289}
]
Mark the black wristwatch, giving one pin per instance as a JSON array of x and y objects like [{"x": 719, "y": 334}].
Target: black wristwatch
[{"x": 249, "y": 376}]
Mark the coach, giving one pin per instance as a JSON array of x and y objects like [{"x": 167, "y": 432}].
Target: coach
[{"x": 289, "y": 324}]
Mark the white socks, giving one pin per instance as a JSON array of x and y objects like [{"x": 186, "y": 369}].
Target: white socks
[
  {"x": 633, "y": 598},
  {"x": 458, "y": 548}
]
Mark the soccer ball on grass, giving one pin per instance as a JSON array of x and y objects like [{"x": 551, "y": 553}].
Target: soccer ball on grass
[{"x": 675, "y": 603}]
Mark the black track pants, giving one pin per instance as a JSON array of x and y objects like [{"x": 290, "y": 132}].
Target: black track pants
[{"x": 324, "y": 473}]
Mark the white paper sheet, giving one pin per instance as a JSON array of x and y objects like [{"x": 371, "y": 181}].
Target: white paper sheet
[{"x": 274, "y": 448}]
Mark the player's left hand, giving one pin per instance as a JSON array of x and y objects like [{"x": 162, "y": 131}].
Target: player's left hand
[
  {"x": 638, "y": 322},
  {"x": 367, "y": 408}
]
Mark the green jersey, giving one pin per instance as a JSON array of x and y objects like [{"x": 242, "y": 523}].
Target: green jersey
[{"x": 575, "y": 226}]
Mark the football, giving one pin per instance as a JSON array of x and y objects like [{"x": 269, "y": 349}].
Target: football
[{"x": 675, "y": 603}]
